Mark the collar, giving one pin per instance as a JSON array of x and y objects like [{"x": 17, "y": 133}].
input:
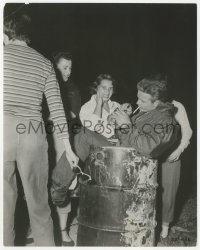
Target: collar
[
  {"x": 93, "y": 99},
  {"x": 18, "y": 42}
]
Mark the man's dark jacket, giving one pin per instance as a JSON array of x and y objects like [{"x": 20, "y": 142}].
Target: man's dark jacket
[{"x": 152, "y": 133}]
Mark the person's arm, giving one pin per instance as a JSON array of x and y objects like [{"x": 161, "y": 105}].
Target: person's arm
[
  {"x": 186, "y": 131},
  {"x": 99, "y": 104},
  {"x": 148, "y": 143},
  {"x": 52, "y": 93},
  {"x": 150, "y": 140}
]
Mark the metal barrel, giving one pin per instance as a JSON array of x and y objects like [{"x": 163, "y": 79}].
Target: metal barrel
[{"x": 119, "y": 210}]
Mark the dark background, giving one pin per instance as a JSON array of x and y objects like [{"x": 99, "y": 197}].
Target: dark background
[{"x": 128, "y": 41}]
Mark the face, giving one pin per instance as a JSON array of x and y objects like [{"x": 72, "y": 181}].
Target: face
[
  {"x": 145, "y": 102},
  {"x": 65, "y": 67},
  {"x": 106, "y": 89}
]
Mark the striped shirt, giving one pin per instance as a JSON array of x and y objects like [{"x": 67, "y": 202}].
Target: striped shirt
[{"x": 27, "y": 76}]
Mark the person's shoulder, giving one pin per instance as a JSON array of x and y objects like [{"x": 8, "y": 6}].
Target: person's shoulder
[
  {"x": 177, "y": 104},
  {"x": 180, "y": 107},
  {"x": 87, "y": 105},
  {"x": 26, "y": 52},
  {"x": 164, "y": 112},
  {"x": 6, "y": 48},
  {"x": 40, "y": 56}
]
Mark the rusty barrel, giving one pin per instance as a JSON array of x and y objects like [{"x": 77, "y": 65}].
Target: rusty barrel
[{"x": 119, "y": 210}]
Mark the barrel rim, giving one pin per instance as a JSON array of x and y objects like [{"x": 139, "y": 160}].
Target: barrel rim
[
  {"x": 129, "y": 148},
  {"x": 118, "y": 147}
]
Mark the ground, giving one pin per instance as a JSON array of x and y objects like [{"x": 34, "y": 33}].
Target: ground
[{"x": 184, "y": 231}]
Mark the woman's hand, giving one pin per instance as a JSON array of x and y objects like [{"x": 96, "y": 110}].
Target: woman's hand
[
  {"x": 175, "y": 155},
  {"x": 127, "y": 108},
  {"x": 99, "y": 97},
  {"x": 99, "y": 107},
  {"x": 121, "y": 118}
]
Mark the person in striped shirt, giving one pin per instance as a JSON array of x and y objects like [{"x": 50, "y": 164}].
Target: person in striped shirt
[{"x": 27, "y": 77}]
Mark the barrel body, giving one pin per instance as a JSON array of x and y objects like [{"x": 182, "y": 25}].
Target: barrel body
[
  {"x": 119, "y": 210},
  {"x": 121, "y": 167}
]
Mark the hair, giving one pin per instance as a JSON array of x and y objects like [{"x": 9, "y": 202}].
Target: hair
[
  {"x": 97, "y": 82},
  {"x": 154, "y": 85},
  {"x": 17, "y": 27},
  {"x": 58, "y": 55}
]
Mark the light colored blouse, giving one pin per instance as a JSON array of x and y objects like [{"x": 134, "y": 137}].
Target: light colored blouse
[{"x": 95, "y": 123}]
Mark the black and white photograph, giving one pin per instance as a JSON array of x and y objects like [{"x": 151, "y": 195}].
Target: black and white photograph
[{"x": 99, "y": 124}]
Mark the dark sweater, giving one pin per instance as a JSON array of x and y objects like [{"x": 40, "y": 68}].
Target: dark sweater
[
  {"x": 71, "y": 97},
  {"x": 155, "y": 133}
]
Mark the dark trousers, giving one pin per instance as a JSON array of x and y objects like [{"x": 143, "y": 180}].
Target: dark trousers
[
  {"x": 170, "y": 177},
  {"x": 86, "y": 139}
]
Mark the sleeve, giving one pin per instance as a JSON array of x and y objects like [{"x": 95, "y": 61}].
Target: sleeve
[
  {"x": 88, "y": 119},
  {"x": 182, "y": 119},
  {"x": 149, "y": 141},
  {"x": 52, "y": 93}
]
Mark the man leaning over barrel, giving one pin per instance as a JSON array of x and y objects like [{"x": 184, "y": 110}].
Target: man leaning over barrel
[{"x": 153, "y": 132}]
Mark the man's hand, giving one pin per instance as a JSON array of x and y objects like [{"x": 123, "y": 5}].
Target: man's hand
[
  {"x": 175, "y": 155},
  {"x": 121, "y": 118},
  {"x": 72, "y": 115},
  {"x": 72, "y": 158},
  {"x": 111, "y": 120}
]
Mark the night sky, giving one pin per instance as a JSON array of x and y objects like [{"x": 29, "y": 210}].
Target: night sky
[{"x": 129, "y": 41}]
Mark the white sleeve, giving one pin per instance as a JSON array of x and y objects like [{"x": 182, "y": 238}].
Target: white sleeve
[
  {"x": 182, "y": 119},
  {"x": 88, "y": 118}
]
